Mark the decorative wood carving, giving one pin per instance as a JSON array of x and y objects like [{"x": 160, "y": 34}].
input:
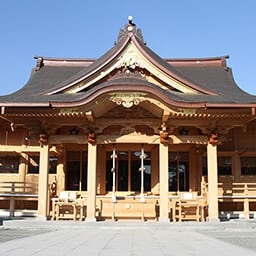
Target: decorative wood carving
[
  {"x": 127, "y": 100},
  {"x": 92, "y": 138},
  {"x": 129, "y": 72},
  {"x": 164, "y": 134},
  {"x": 43, "y": 138},
  {"x": 133, "y": 112},
  {"x": 213, "y": 138}
]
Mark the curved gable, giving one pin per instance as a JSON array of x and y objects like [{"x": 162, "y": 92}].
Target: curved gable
[{"x": 131, "y": 53}]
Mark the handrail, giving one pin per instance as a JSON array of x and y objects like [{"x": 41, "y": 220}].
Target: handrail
[
  {"x": 18, "y": 190},
  {"x": 233, "y": 189},
  {"x": 18, "y": 187}
]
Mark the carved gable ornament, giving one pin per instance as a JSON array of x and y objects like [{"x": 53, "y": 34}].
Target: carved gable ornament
[
  {"x": 127, "y": 100},
  {"x": 134, "y": 64}
]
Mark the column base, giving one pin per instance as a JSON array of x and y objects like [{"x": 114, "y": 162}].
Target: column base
[
  {"x": 90, "y": 219},
  {"x": 213, "y": 220},
  {"x": 163, "y": 219},
  {"x": 41, "y": 218}
]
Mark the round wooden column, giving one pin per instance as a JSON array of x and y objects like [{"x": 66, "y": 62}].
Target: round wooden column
[
  {"x": 43, "y": 182},
  {"x": 212, "y": 165},
  {"x": 164, "y": 182},
  {"x": 91, "y": 183}
]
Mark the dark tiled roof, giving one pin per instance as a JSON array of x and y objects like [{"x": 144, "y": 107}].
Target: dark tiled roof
[
  {"x": 83, "y": 73},
  {"x": 40, "y": 83},
  {"x": 219, "y": 80},
  {"x": 214, "y": 82}
]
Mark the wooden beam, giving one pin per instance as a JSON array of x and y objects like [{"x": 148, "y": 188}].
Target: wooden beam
[
  {"x": 165, "y": 116},
  {"x": 90, "y": 116},
  {"x": 19, "y": 149}
]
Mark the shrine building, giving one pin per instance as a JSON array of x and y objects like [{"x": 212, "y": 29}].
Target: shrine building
[{"x": 130, "y": 135}]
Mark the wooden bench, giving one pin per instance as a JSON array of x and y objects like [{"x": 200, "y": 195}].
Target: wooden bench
[
  {"x": 16, "y": 190},
  {"x": 68, "y": 205},
  {"x": 243, "y": 193},
  {"x": 128, "y": 207},
  {"x": 188, "y": 206}
]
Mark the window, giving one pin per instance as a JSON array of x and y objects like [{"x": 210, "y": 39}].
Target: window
[
  {"x": 76, "y": 178},
  {"x": 33, "y": 164},
  {"x": 248, "y": 165},
  {"x": 9, "y": 164},
  {"x": 204, "y": 165},
  {"x": 224, "y": 165},
  {"x": 127, "y": 171},
  {"x": 178, "y": 171},
  {"x": 136, "y": 173},
  {"x": 53, "y": 161},
  {"x": 122, "y": 171}
]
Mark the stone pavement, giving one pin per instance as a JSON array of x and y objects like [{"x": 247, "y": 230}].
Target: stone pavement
[{"x": 36, "y": 237}]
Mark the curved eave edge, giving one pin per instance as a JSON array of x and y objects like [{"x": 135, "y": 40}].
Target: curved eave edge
[
  {"x": 160, "y": 95},
  {"x": 96, "y": 69},
  {"x": 122, "y": 89},
  {"x": 230, "y": 105},
  {"x": 126, "y": 87},
  {"x": 169, "y": 72},
  {"x": 24, "y": 104},
  {"x": 5, "y": 105}
]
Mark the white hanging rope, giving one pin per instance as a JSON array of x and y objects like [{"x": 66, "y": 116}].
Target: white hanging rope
[
  {"x": 114, "y": 156},
  {"x": 142, "y": 169}
]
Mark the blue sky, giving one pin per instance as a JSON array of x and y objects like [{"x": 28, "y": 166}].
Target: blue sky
[{"x": 88, "y": 28}]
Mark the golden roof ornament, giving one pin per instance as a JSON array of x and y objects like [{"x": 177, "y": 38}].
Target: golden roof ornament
[{"x": 130, "y": 27}]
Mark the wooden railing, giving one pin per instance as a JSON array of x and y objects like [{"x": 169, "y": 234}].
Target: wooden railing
[
  {"x": 236, "y": 189},
  {"x": 16, "y": 190},
  {"x": 18, "y": 187},
  {"x": 241, "y": 192}
]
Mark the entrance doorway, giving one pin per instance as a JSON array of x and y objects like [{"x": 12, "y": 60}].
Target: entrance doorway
[
  {"x": 178, "y": 171},
  {"x": 76, "y": 178},
  {"x": 128, "y": 176}
]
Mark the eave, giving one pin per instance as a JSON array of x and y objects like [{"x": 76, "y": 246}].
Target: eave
[
  {"x": 5, "y": 105},
  {"x": 24, "y": 104},
  {"x": 126, "y": 86},
  {"x": 99, "y": 65},
  {"x": 168, "y": 71},
  {"x": 206, "y": 61},
  {"x": 78, "y": 115}
]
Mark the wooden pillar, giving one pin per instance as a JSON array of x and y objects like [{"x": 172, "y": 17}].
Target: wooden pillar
[
  {"x": 236, "y": 167},
  {"x": 91, "y": 183},
  {"x": 23, "y": 167},
  {"x": 164, "y": 182},
  {"x": 193, "y": 170},
  {"x": 61, "y": 171},
  {"x": 43, "y": 182},
  {"x": 212, "y": 165}
]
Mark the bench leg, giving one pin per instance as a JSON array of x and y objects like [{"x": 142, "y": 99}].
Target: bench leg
[
  {"x": 57, "y": 214},
  {"x": 142, "y": 212},
  {"x": 74, "y": 212},
  {"x": 202, "y": 213},
  {"x": 12, "y": 207},
  {"x": 113, "y": 212},
  {"x": 53, "y": 211},
  {"x": 174, "y": 209},
  {"x": 180, "y": 213},
  {"x": 197, "y": 213},
  {"x": 81, "y": 212},
  {"x": 246, "y": 209}
]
